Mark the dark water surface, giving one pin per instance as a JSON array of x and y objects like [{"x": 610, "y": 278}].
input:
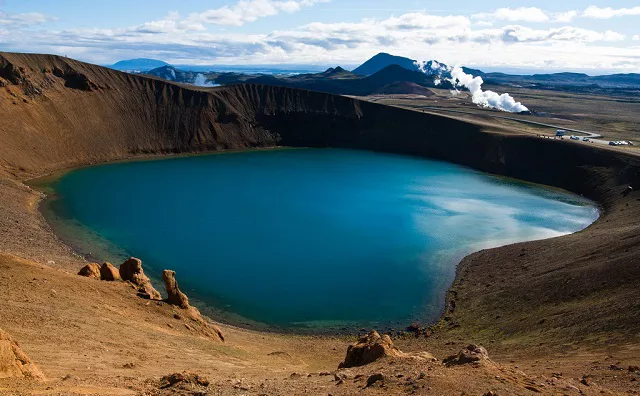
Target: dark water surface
[{"x": 316, "y": 239}]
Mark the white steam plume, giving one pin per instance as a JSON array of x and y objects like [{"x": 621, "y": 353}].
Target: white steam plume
[
  {"x": 201, "y": 81},
  {"x": 504, "y": 102},
  {"x": 459, "y": 78}
]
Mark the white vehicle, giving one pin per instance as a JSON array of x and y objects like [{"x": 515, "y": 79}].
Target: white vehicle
[
  {"x": 574, "y": 137},
  {"x": 620, "y": 143}
]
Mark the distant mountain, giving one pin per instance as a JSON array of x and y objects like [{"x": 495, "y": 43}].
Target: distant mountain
[
  {"x": 139, "y": 65},
  {"x": 340, "y": 81},
  {"x": 338, "y": 73},
  {"x": 383, "y": 60},
  {"x": 403, "y": 88},
  {"x": 398, "y": 75},
  {"x": 566, "y": 81},
  {"x": 170, "y": 73}
]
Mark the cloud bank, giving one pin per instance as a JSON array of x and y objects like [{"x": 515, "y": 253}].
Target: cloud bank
[{"x": 526, "y": 37}]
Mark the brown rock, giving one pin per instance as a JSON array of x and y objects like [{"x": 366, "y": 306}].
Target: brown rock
[
  {"x": 109, "y": 273},
  {"x": 368, "y": 349},
  {"x": 91, "y": 270},
  {"x": 174, "y": 295},
  {"x": 14, "y": 363},
  {"x": 378, "y": 377},
  {"x": 471, "y": 354},
  {"x": 131, "y": 270},
  {"x": 183, "y": 378},
  {"x": 414, "y": 328}
]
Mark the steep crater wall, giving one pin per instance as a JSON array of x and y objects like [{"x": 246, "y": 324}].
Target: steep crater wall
[{"x": 58, "y": 113}]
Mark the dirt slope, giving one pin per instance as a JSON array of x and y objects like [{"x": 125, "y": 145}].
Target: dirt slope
[{"x": 569, "y": 301}]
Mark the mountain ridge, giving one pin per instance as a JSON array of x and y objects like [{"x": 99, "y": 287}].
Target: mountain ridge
[{"x": 138, "y": 64}]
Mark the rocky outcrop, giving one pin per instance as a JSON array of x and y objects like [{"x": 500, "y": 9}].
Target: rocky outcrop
[
  {"x": 179, "y": 299},
  {"x": 131, "y": 271},
  {"x": 471, "y": 354},
  {"x": 174, "y": 295},
  {"x": 109, "y": 273},
  {"x": 91, "y": 270},
  {"x": 373, "y": 346},
  {"x": 368, "y": 349},
  {"x": 14, "y": 363},
  {"x": 184, "y": 378},
  {"x": 75, "y": 80}
]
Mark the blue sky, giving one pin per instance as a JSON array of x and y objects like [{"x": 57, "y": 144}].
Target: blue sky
[{"x": 550, "y": 35}]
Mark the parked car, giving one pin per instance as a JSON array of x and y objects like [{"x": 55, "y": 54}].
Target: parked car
[
  {"x": 585, "y": 139},
  {"x": 574, "y": 137}
]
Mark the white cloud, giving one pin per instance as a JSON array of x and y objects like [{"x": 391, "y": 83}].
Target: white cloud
[
  {"x": 636, "y": 37},
  {"x": 454, "y": 39},
  {"x": 24, "y": 20},
  {"x": 172, "y": 24},
  {"x": 522, "y": 14},
  {"x": 608, "y": 12},
  {"x": 424, "y": 21},
  {"x": 246, "y": 11},
  {"x": 565, "y": 17}
]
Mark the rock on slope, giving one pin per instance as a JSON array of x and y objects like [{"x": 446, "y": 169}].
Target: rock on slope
[
  {"x": 131, "y": 270},
  {"x": 14, "y": 363}
]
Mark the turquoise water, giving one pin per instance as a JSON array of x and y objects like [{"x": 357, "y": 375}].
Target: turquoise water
[{"x": 311, "y": 238}]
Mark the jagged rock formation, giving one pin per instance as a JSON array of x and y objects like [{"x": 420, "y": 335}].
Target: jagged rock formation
[
  {"x": 179, "y": 299},
  {"x": 109, "y": 273},
  {"x": 373, "y": 346},
  {"x": 368, "y": 349},
  {"x": 471, "y": 354},
  {"x": 91, "y": 270},
  {"x": 131, "y": 270},
  {"x": 174, "y": 295},
  {"x": 14, "y": 363}
]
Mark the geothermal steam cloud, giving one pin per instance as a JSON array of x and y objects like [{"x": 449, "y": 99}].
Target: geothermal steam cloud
[{"x": 459, "y": 79}]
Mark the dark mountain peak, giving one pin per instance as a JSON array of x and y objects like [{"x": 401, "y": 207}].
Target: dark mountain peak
[
  {"x": 163, "y": 68},
  {"x": 404, "y": 88},
  {"x": 167, "y": 72},
  {"x": 397, "y": 73},
  {"x": 396, "y": 70},
  {"x": 382, "y": 60},
  {"x": 336, "y": 70}
]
